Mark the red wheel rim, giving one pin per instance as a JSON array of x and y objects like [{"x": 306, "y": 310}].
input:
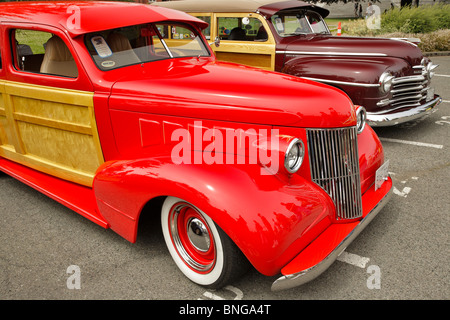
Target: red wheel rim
[{"x": 192, "y": 237}]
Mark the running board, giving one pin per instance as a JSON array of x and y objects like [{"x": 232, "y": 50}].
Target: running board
[{"x": 76, "y": 197}]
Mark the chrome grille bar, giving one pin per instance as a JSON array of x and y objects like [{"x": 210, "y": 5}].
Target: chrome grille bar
[{"x": 334, "y": 163}]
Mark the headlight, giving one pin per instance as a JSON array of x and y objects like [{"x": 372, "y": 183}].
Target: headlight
[
  {"x": 294, "y": 155},
  {"x": 385, "y": 82},
  {"x": 361, "y": 116},
  {"x": 430, "y": 69}
]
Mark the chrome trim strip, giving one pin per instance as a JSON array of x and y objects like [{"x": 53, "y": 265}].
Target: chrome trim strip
[
  {"x": 330, "y": 53},
  {"x": 419, "y": 87},
  {"x": 355, "y": 84},
  {"x": 383, "y": 120},
  {"x": 425, "y": 89},
  {"x": 297, "y": 279},
  {"x": 407, "y": 79},
  {"x": 417, "y": 97}
]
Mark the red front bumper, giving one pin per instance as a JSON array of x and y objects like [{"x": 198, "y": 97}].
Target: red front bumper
[{"x": 325, "y": 249}]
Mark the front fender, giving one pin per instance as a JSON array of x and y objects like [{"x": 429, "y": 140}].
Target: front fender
[{"x": 269, "y": 217}]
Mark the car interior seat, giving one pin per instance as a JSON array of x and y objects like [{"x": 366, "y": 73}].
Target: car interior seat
[
  {"x": 58, "y": 60},
  {"x": 119, "y": 44},
  {"x": 237, "y": 34}
]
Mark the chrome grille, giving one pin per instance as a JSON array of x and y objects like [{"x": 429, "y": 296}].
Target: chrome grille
[
  {"x": 333, "y": 158},
  {"x": 408, "y": 91}
]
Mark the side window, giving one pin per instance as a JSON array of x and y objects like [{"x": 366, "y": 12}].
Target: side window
[
  {"x": 316, "y": 22},
  {"x": 206, "y": 31},
  {"x": 43, "y": 52},
  {"x": 241, "y": 29}
]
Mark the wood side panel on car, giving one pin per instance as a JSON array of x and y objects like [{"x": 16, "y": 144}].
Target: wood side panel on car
[{"x": 50, "y": 129}]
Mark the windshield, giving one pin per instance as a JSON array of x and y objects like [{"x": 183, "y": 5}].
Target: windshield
[
  {"x": 291, "y": 23},
  {"x": 112, "y": 49}
]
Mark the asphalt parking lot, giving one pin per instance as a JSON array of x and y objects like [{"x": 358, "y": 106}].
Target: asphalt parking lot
[{"x": 402, "y": 254}]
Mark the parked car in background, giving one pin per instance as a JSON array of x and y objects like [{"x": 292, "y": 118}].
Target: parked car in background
[
  {"x": 115, "y": 108},
  {"x": 391, "y": 78}
]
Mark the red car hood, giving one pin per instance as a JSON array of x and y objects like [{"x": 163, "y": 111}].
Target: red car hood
[
  {"x": 366, "y": 47},
  {"x": 202, "y": 89}
]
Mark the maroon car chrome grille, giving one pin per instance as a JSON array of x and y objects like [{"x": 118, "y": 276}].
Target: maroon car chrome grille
[
  {"x": 334, "y": 162},
  {"x": 408, "y": 91}
]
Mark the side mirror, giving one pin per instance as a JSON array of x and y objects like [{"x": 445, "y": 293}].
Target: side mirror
[{"x": 217, "y": 41}]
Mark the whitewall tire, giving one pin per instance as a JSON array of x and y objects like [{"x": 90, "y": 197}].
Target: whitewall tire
[{"x": 200, "y": 249}]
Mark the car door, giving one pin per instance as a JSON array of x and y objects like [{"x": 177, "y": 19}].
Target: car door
[
  {"x": 47, "y": 117},
  {"x": 244, "y": 38}
]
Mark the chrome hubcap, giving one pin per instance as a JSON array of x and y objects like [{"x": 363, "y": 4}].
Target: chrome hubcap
[{"x": 198, "y": 235}]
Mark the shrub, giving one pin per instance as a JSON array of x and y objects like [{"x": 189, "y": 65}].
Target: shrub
[
  {"x": 435, "y": 41},
  {"x": 421, "y": 19},
  {"x": 431, "y": 24},
  {"x": 417, "y": 19}
]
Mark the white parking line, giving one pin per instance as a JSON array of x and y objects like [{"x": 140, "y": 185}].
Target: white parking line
[
  {"x": 353, "y": 259},
  {"x": 442, "y": 75},
  {"x": 403, "y": 193},
  {"x": 420, "y": 144},
  {"x": 212, "y": 296},
  {"x": 239, "y": 294}
]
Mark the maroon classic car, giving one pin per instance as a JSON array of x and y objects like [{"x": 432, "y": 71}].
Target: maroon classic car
[{"x": 389, "y": 77}]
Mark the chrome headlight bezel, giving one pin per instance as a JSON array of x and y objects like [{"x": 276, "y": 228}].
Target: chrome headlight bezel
[
  {"x": 294, "y": 155},
  {"x": 361, "y": 117},
  {"x": 385, "y": 82}
]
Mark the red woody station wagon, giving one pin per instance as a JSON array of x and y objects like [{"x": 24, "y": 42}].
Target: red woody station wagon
[
  {"x": 389, "y": 77},
  {"x": 110, "y": 108}
]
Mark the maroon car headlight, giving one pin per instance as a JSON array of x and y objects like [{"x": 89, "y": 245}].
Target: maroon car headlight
[
  {"x": 361, "y": 116},
  {"x": 385, "y": 82},
  {"x": 294, "y": 155}
]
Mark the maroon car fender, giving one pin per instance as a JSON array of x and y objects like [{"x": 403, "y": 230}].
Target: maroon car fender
[{"x": 279, "y": 213}]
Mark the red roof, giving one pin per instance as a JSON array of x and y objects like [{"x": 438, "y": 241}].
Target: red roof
[{"x": 91, "y": 15}]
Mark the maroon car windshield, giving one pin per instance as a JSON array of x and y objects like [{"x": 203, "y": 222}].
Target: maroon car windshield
[{"x": 291, "y": 23}]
